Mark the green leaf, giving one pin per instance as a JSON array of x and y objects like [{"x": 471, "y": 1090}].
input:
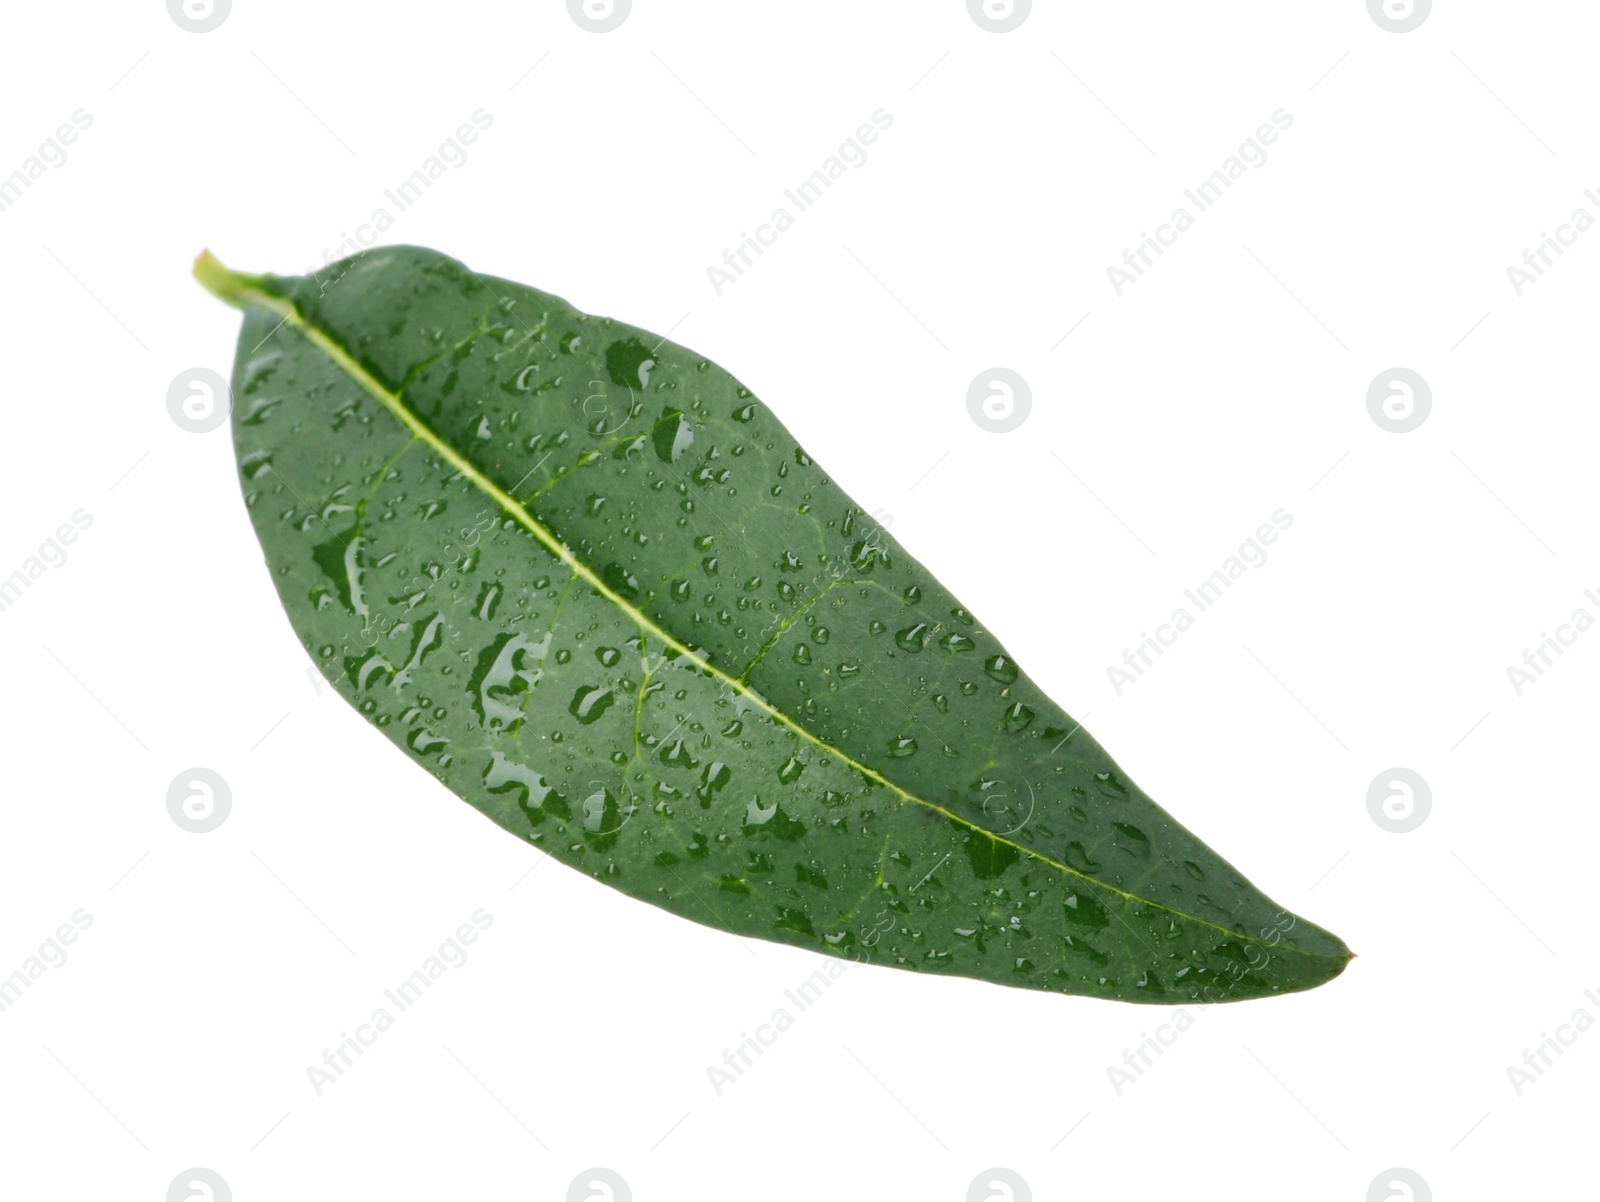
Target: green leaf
[{"x": 587, "y": 580}]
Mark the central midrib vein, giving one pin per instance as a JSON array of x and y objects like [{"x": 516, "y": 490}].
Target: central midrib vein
[{"x": 245, "y": 286}]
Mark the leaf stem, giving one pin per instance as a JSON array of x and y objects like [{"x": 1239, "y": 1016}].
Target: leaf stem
[{"x": 224, "y": 283}]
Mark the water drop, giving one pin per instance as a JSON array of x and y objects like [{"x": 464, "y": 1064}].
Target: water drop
[
  {"x": 590, "y": 702},
  {"x": 912, "y": 638},
  {"x": 1017, "y": 717},
  {"x": 1001, "y": 668},
  {"x": 672, "y": 436}
]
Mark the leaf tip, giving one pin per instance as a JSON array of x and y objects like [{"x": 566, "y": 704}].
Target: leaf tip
[{"x": 224, "y": 284}]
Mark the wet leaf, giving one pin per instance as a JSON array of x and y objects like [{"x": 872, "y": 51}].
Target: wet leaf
[{"x": 590, "y": 583}]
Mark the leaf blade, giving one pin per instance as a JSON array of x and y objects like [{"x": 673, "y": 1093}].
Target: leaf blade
[{"x": 1019, "y": 903}]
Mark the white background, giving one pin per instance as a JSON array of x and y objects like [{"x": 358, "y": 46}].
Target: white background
[{"x": 1229, "y": 382}]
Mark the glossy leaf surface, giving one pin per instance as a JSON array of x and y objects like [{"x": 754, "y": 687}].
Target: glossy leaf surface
[{"x": 591, "y": 583}]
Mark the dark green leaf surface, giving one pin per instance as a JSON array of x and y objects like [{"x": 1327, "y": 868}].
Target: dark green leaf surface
[{"x": 590, "y": 583}]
